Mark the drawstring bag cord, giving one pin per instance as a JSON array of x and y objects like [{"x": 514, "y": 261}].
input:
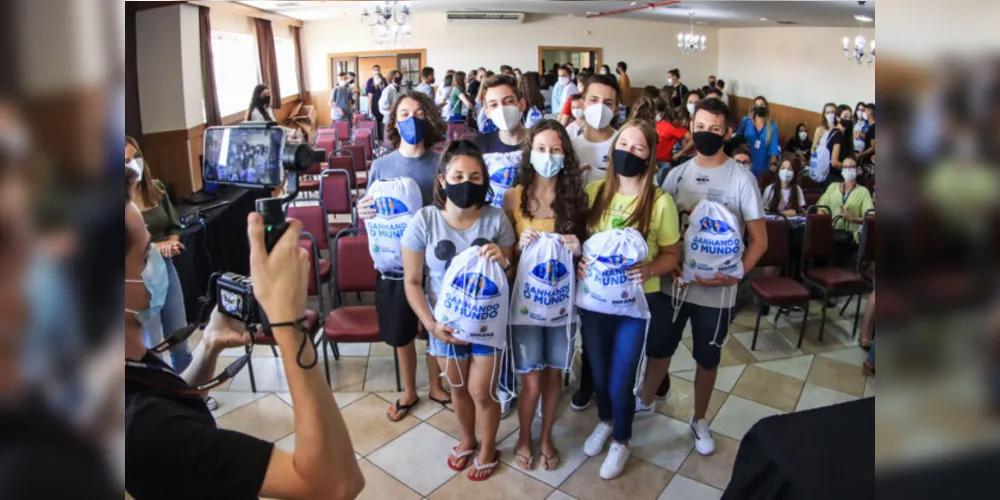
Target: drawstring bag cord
[
  {"x": 570, "y": 344},
  {"x": 451, "y": 350},
  {"x": 677, "y": 296},
  {"x": 718, "y": 325},
  {"x": 640, "y": 375}
]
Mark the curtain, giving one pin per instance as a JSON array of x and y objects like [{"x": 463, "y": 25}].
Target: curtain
[
  {"x": 298, "y": 62},
  {"x": 268, "y": 59},
  {"x": 212, "y": 114}
]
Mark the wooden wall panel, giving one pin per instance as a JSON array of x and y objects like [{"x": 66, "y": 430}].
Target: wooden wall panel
[{"x": 168, "y": 157}]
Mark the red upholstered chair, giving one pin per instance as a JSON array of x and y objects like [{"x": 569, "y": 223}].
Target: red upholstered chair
[
  {"x": 468, "y": 136},
  {"x": 314, "y": 227},
  {"x": 810, "y": 186},
  {"x": 343, "y": 159},
  {"x": 343, "y": 129},
  {"x": 335, "y": 192},
  {"x": 766, "y": 179},
  {"x": 829, "y": 282},
  {"x": 456, "y": 129},
  {"x": 866, "y": 258},
  {"x": 364, "y": 137},
  {"x": 779, "y": 291},
  {"x": 327, "y": 138},
  {"x": 354, "y": 272},
  {"x": 372, "y": 127},
  {"x": 358, "y": 155},
  {"x": 358, "y": 117},
  {"x": 309, "y": 181}
]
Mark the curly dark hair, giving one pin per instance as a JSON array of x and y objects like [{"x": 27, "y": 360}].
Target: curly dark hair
[
  {"x": 436, "y": 129},
  {"x": 454, "y": 150},
  {"x": 570, "y": 204}
]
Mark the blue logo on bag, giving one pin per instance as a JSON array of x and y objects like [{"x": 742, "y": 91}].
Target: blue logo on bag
[
  {"x": 716, "y": 226},
  {"x": 476, "y": 286},
  {"x": 615, "y": 260},
  {"x": 390, "y": 207},
  {"x": 504, "y": 176},
  {"x": 551, "y": 272}
]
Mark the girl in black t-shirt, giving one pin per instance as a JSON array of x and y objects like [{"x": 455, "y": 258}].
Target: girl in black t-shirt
[{"x": 840, "y": 143}]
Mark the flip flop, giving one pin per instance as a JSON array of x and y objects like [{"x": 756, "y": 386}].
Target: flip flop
[
  {"x": 547, "y": 462},
  {"x": 444, "y": 404},
  {"x": 529, "y": 461},
  {"x": 402, "y": 410},
  {"x": 477, "y": 467},
  {"x": 459, "y": 456}
]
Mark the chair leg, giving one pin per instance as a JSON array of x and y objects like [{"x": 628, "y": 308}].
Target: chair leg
[
  {"x": 805, "y": 321},
  {"x": 857, "y": 316},
  {"x": 399, "y": 384},
  {"x": 253, "y": 382},
  {"x": 756, "y": 330},
  {"x": 778, "y": 315},
  {"x": 336, "y": 351},
  {"x": 566, "y": 380},
  {"x": 822, "y": 325},
  {"x": 846, "y": 304},
  {"x": 274, "y": 350},
  {"x": 326, "y": 361}
]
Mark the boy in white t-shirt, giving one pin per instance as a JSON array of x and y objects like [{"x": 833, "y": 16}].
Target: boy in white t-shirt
[{"x": 592, "y": 147}]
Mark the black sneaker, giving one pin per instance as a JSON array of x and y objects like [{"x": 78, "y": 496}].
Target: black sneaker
[
  {"x": 661, "y": 393},
  {"x": 581, "y": 401}
]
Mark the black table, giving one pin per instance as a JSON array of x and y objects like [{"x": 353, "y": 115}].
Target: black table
[
  {"x": 827, "y": 453},
  {"x": 219, "y": 246}
]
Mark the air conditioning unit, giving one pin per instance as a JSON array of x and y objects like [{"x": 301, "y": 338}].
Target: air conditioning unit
[{"x": 485, "y": 17}]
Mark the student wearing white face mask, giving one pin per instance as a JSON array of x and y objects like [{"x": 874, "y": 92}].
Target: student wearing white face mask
[
  {"x": 829, "y": 121},
  {"x": 849, "y": 202},
  {"x": 799, "y": 144},
  {"x": 564, "y": 89},
  {"x": 785, "y": 196},
  {"x": 600, "y": 100}
]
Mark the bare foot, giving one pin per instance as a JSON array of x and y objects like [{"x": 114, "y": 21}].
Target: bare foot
[
  {"x": 485, "y": 467},
  {"x": 523, "y": 455},
  {"x": 550, "y": 455},
  {"x": 462, "y": 450}
]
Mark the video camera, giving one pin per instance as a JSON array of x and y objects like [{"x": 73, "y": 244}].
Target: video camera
[{"x": 255, "y": 155}]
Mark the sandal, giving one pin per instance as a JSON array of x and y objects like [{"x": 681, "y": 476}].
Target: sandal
[
  {"x": 446, "y": 404},
  {"x": 550, "y": 463},
  {"x": 455, "y": 456},
  {"x": 402, "y": 411},
  {"x": 477, "y": 467}
]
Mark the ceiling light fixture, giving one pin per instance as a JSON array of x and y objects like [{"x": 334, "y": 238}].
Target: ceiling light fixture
[
  {"x": 691, "y": 42},
  {"x": 390, "y": 23},
  {"x": 863, "y": 18},
  {"x": 763, "y": 19},
  {"x": 861, "y": 49}
]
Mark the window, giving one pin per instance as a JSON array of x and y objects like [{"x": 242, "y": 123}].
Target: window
[
  {"x": 288, "y": 78},
  {"x": 236, "y": 70},
  {"x": 409, "y": 66}
]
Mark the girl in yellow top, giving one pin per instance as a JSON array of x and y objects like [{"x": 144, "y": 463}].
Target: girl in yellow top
[
  {"x": 628, "y": 198},
  {"x": 549, "y": 198}
]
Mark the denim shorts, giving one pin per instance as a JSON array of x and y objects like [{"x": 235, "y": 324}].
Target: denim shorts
[
  {"x": 540, "y": 347},
  {"x": 440, "y": 349}
]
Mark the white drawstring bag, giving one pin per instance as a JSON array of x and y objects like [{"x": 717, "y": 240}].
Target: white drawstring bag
[
  {"x": 474, "y": 300},
  {"x": 819, "y": 164},
  {"x": 396, "y": 200},
  {"x": 543, "y": 289}
]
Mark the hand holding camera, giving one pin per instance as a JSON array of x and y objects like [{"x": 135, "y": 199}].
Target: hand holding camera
[{"x": 280, "y": 277}]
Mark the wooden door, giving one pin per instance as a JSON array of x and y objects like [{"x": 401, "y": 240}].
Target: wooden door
[{"x": 409, "y": 66}]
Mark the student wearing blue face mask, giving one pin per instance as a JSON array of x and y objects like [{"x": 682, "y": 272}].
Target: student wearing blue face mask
[
  {"x": 413, "y": 127},
  {"x": 549, "y": 198}
]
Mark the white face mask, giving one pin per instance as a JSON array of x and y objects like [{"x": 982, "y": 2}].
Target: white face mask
[
  {"x": 690, "y": 108},
  {"x": 598, "y": 116},
  {"x": 547, "y": 165},
  {"x": 670, "y": 81},
  {"x": 578, "y": 113},
  {"x": 604, "y": 72},
  {"x": 506, "y": 118},
  {"x": 137, "y": 166},
  {"x": 831, "y": 118},
  {"x": 786, "y": 176},
  {"x": 803, "y": 136},
  {"x": 850, "y": 174},
  {"x": 563, "y": 80}
]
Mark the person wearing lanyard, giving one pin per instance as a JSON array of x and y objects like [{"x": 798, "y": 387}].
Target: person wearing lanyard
[
  {"x": 849, "y": 203},
  {"x": 762, "y": 136}
]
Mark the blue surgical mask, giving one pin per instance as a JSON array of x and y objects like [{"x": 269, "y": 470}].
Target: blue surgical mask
[
  {"x": 155, "y": 277},
  {"x": 412, "y": 130},
  {"x": 547, "y": 165}
]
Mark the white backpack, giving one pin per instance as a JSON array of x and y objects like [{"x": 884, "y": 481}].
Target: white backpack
[
  {"x": 474, "y": 299},
  {"x": 713, "y": 243},
  {"x": 396, "y": 200},
  {"x": 544, "y": 287},
  {"x": 606, "y": 288},
  {"x": 819, "y": 165}
]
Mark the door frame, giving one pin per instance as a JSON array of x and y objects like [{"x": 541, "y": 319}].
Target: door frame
[
  {"x": 370, "y": 53},
  {"x": 543, "y": 48}
]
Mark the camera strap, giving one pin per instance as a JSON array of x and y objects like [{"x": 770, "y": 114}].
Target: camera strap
[{"x": 140, "y": 372}]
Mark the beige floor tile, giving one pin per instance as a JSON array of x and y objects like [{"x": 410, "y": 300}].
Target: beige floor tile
[
  {"x": 745, "y": 321},
  {"x": 268, "y": 372},
  {"x": 853, "y": 356},
  {"x": 369, "y": 427},
  {"x": 738, "y": 415},
  {"x": 771, "y": 345},
  {"x": 797, "y": 368},
  {"x": 769, "y": 388},
  {"x": 558, "y": 495},
  {"x": 733, "y": 354},
  {"x": 870, "y": 388},
  {"x": 505, "y": 483},
  {"x": 811, "y": 344},
  {"x": 725, "y": 380},
  {"x": 259, "y": 351},
  {"x": 715, "y": 470},
  {"x": 348, "y": 374},
  {"x": 288, "y": 445},
  {"x": 682, "y": 488},
  {"x": 446, "y": 422},
  {"x": 343, "y": 398},
  {"x": 381, "y": 375},
  {"x": 379, "y": 485},
  {"x": 569, "y": 444},
  {"x": 354, "y": 350},
  {"x": 383, "y": 349},
  {"x": 662, "y": 441},
  {"x": 268, "y": 418},
  {"x": 641, "y": 480},
  {"x": 679, "y": 404},
  {"x": 838, "y": 376},
  {"x": 232, "y": 401},
  {"x": 418, "y": 459},
  {"x": 424, "y": 410},
  {"x": 682, "y": 360},
  {"x": 814, "y": 396},
  {"x": 579, "y": 422}
]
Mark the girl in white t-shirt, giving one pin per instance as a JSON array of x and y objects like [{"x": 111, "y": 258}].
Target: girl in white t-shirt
[{"x": 785, "y": 196}]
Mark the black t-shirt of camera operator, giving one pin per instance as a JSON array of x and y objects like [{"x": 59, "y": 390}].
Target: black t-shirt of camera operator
[{"x": 174, "y": 449}]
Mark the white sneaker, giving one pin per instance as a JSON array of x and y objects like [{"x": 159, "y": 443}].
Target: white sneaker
[
  {"x": 703, "y": 440},
  {"x": 615, "y": 463},
  {"x": 538, "y": 411},
  {"x": 595, "y": 443},
  {"x": 643, "y": 411},
  {"x": 507, "y": 407}
]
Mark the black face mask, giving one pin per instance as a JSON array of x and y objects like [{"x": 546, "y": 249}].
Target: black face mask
[
  {"x": 628, "y": 164},
  {"x": 466, "y": 194},
  {"x": 708, "y": 143},
  {"x": 846, "y": 122},
  {"x": 762, "y": 111}
]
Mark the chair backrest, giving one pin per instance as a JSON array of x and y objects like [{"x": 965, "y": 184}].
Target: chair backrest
[
  {"x": 327, "y": 140},
  {"x": 810, "y": 186},
  {"x": 866, "y": 250},
  {"x": 313, "y": 219},
  {"x": 357, "y": 151},
  {"x": 777, "y": 244},
  {"x": 343, "y": 160},
  {"x": 456, "y": 129},
  {"x": 812, "y": 198},
  {"x": 358, "y": 117},
  {"x": 335, "y": 192},
  {"x": 818, "y": 240},
  {"x": 363, "y": 136},
  {"x": 343, "y": 129},
  {"x": 354, "y": 270},
  {"x": 468, "y": 136},
  {"x": 308, "y": 241},
  {"x": 766, "y": 179}
]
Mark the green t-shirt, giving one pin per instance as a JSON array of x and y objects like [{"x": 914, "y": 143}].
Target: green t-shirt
[
  {"x": 664, "y": 228},
  {"x": 858, "y": 201}
]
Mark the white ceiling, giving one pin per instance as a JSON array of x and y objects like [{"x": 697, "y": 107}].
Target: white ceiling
[{"x": 720, "y": 13}]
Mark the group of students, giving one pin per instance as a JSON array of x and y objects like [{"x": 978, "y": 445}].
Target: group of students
[{"x": 500, "y": 194}]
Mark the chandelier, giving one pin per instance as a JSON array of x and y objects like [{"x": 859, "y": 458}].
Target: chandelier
[
  {"x": 691, "y": 42},
  {"x": 390, "y": 23},
  {"x": 860, "y": 50}
]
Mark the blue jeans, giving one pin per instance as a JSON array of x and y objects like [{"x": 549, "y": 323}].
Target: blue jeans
[
  {"x": 172, "y": 318},
  {"x": 614, "y": 345},
  {"x": 871, "y": 354}
]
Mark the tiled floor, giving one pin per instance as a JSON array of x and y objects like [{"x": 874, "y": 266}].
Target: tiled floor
[{"x": 407, "y": 460}]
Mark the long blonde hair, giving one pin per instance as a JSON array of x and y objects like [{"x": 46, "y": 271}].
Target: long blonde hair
[
  {"x": 148, "y": 189},
  {"x": 642, "y": 216}
]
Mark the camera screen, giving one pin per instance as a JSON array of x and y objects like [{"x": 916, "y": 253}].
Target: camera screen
[
  {"x": 232, "y": 303},
  {"x": 244, "y": 156}
]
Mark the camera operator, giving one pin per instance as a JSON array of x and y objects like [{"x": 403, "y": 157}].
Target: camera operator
[{"x": 173, "y": 447}]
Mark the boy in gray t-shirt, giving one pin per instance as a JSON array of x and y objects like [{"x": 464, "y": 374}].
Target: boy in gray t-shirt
[{"x": 423, "y": 170}]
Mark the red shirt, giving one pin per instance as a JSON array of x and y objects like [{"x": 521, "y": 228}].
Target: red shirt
[
  {"x": 567, "y": 107},
  {"x": 667, "y": 135}
]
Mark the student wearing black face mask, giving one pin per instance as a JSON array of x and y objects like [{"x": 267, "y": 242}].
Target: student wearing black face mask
[
  {"x": 459, "y": 219},
  {"x": 840, "y": 143},
  {"x": 259, "y": 109}
]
